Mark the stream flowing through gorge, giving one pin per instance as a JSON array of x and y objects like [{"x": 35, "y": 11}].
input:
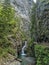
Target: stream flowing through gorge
[
  {"x": 26, "y": 60},
  {"x": 23, "y": 48},
  {"x": 23, "y": 54}
]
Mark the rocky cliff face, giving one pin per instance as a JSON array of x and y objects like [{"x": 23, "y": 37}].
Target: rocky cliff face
[
  {"x": 42, "y": 21},
  {"x": 23, "y": 8}
]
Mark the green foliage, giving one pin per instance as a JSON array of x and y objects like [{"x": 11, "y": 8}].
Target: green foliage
[
  {"x": 40, "y": 31},
  {"x": 6, "y": 17},
  {"x": 42, "y": 55},
  {"x": 7, "y": 24},
  {"x": 30, "y": 48},
  {"x": 9, "y": 29},
  {"x": 20, "y": 35},
  {"x": 5, "y": 51},
  {"x": 40, "y": 21},
  {"x": 33, "y": 23}
]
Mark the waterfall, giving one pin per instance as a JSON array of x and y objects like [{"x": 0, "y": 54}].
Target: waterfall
[{"x": 23, "y": 48}]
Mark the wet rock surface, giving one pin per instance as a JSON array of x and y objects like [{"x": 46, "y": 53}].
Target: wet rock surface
[
  {"x": 28, "y": 61},
  {"x": 14, "y": 62},
  {"x": 10, "y": 60}
]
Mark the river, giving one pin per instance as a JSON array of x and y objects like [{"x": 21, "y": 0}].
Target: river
[{"x": 26, "y": 60}]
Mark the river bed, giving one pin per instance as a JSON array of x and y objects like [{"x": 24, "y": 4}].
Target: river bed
[{"x": 27, "y": 60}]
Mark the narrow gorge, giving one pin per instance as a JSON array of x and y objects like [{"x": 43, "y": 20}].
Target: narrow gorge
[{"x": 24, "y": 32}]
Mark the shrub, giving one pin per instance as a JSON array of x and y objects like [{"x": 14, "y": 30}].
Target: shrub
[{"x": 42, "y": 55}]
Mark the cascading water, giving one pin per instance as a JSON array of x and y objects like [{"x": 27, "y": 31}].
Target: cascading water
[
  {"x": 23, "y": 48},
  {"x": 26, "y": 60},
  {"x": 23, "y": 54}
]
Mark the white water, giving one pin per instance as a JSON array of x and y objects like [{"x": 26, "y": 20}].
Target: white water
[
  {"x": 23, "y": 48},
  {"x": 26, "y": 60}
]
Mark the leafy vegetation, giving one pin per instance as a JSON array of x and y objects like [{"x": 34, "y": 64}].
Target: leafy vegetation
[
  {"x": 10, "y": 32},
  {"x": 33, "y": 23},
  {"x": 9, "y": 29},
  {"x": 39, "y": 20},
  {"x": 7, "y": 24},
  {"x": 42, "y": 55},
  {"x": 40, "y": 32}
]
